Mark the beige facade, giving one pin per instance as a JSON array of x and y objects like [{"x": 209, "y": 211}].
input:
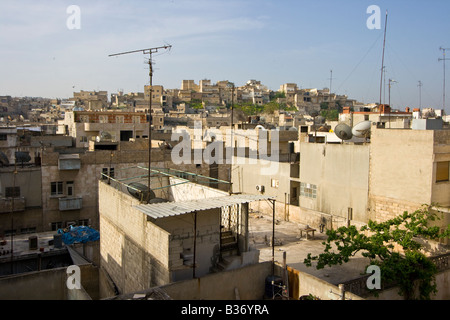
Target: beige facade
[
  {"x": 91, "y": 100},
  {"x": 86, "y": 126},
  {"x": 408, "y": 168},
  {"x": 140, "y": 251},
  {"x": 340, "y": 183}
]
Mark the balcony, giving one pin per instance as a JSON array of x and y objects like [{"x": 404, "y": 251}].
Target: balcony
[
  {"x": 69, "y": 162},
  {"x": 6, "y": 204},
  {"x": 70, "y": 203}
]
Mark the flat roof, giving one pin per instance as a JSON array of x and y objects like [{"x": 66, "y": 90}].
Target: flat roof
[{"x": 170, "y": 209}]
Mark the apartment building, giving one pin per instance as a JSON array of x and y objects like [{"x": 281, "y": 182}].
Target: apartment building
[
  {"x": 334, "y": 184},
  {"x": 91, "y": 100},
  {"x": 86, "y": 126}
]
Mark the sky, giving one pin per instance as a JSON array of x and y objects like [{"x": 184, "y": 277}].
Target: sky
[{"x": 50, "y": 51}]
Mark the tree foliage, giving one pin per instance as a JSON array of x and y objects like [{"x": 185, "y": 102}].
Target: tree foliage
[{"x": 393, "y": 246}]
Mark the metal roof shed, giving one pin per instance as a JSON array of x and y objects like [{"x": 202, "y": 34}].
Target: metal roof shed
[{"x": 170, "y": 209}]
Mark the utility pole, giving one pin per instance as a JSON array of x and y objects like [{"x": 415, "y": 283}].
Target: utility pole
[
  {"x": 148, "y": 51},
  {"x": 390, "y": 81},
  {"x": 420, "y": 94},
  {"x": 443, "y": 59}
]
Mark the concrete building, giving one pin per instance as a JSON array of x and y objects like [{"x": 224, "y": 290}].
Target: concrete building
[
  {"x": 182, "y": 235},
  {"x": 91, "y": 100},
  {"x": 409, "y": 168},
  {"x": 335, "y": 184},
  {"x": 86, "y": 126}
]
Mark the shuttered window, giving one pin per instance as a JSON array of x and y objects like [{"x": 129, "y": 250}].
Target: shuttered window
[{"x": 442, "y": 171}]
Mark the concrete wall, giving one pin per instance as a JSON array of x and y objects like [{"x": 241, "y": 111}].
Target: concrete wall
[
  {"x": 249, "y": 281},
  {"x": 139, "y": 253},
  {"x": 402, "y": 171},
  {"x": 248, "y": 173},
  {"x": 304, "y": 284},
  {"x": 442, "y": 286},
  {"x": 50, "y": 285},
  {"x": 133, "y": 252},
  {"x": 190, "y": 191},
  {"x": 340, "y": 172}
]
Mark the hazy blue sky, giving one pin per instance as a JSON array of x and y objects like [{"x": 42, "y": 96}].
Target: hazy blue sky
[{"x": 272, "y": 41}]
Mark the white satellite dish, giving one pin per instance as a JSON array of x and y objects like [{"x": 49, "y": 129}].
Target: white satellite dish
[
  {"x": 343, "y": 131},
  {"x": 362, "y": 129}
]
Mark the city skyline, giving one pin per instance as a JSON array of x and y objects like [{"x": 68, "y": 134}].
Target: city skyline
[{"x": 275, "y": 42}]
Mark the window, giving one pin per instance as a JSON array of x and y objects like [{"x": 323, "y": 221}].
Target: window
[
  {"x": 69, "y": 188},
  {"x": 274, "y": 183},
  {"x": 83, "y": 139},
  {"x": 56, "y": 188},
  {"x": 308, "y": 190},
  {"x": 136, "y": 119},
  {"x": 442, "y": 171},
  {"x": 104, "y": 173},
  {"x": 12, "y": 192},
  {"x": 83, "y": 222},
  {"x": 103, "y": 119},
  {"x": 56, "y": 226},
  {"x": 120, "y": 119},
  {"x": 3, "y": 137},
  {"x": 111, "y": 172}
]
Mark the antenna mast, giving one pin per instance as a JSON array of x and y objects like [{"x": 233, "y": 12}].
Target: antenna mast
[
  {"x": 420, "y": 94},
  {"x": 443, "y": 59},
  {"x": 148, "y": 51},
  {"x": 382, "y": 61}
]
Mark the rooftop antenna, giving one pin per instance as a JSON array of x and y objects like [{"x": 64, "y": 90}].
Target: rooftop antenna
[
  {"x": 443, "y": 59},
  {"x": 331, "y": 80},
  {"x": 382, "y": 61},
  {"x": 148, "y": 51},
  {"x": 420, "y": 94}
]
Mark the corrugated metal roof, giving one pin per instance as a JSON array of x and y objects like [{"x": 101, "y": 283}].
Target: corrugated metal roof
[{"x": 169, "y": 209}]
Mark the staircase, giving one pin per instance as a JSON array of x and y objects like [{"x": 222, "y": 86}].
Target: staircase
[
  {"x": 228, "y": 243},
  {"x": 228, "y": 252}
]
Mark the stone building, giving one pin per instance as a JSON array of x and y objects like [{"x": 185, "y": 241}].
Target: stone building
[{"x": 182, "y": 235}]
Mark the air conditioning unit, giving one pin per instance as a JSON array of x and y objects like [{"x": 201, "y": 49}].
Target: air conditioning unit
[{"x": 260, "y": 188}]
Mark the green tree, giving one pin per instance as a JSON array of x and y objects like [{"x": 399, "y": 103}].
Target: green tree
[{"x": 376, "y": 241}]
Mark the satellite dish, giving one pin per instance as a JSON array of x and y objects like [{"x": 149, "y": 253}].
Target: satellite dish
[
  {"x": 3, "y": 158},
  {"x": 140, "y": 191},
  {"x": 260, "y": 127},
  {"x": 343, "y": 131},
  {"x": 362, "y": 129},
  {"x": 22, "y": 156},
  {"x": 104, "y": 136}
]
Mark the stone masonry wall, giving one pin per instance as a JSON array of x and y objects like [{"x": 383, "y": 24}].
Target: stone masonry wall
[{"x": 133, "y": 252}]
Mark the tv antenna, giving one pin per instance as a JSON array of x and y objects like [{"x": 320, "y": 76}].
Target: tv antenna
[
  {"x": 443, "y": 59},
  {"x": 331, "y": 80},
  {"x": 420, "y": 85},
  {"x": 148, "y": 51},
  {"x": 382, "y": 61}
]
